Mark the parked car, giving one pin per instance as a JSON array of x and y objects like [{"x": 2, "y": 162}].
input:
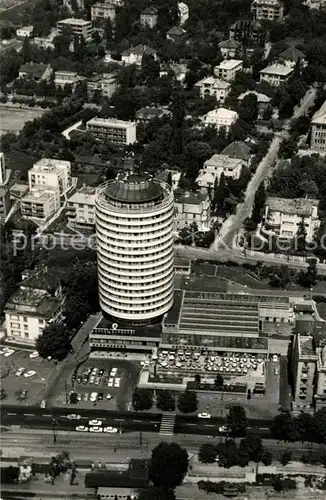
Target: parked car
[
  {"x": 97, "y": 380},
  {"x": 223, "y": 429},
  {"x": 101, "y": 372},
  {"x": 110, "y": 382},
  {"x": 100, "y": 396},
  {"x": 93, "y": 397},
  {"x": 81, "y": 428},
  {"x": 19, "y": 372},
  {"x": 204, "y": 415},
  {"x": 96, "y": 429},
  {"x": 109, "y": 396},
  {"x": 91, "y": 379},
  {"x": 73, "y": 416},
  {"x": 8, "y": 352},
  {"x": 110, "y": 430},
  {"x": 95, "y": 422},
  {"x": 85, "y": 397},
  {"x": 113, "y": 372},
  {"x": 30, "y": 373},
  {"x": 34, "y": 354},
  {"x": 117, "y": 382}
]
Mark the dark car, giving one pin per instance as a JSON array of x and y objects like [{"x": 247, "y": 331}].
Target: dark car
[
  {"x": 100, "y": 396},
  {"x": 101, "y": 373}
]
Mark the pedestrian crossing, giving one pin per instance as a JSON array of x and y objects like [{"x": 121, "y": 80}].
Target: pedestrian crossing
[{"x": 167, "y": 424}]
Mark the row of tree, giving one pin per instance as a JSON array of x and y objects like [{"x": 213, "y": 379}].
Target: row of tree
[
  {"x": 143, "y": 399},
  {"x": 304, "y": 427}
]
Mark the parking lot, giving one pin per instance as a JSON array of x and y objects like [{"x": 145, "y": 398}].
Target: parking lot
[
  {"x": 100, "y": 383},
  {"x": 24, "y": 379}
]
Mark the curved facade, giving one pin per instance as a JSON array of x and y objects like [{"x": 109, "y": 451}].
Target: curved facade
[{"x": 134, "y": 229}]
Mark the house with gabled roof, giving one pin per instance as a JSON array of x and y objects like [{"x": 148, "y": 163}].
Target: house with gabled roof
[
  {"x": 134, "y": 55},
  {"x": 229, "y": 48},
  {"x": 214, "y": 87},
  {"x": 290, "y": 56},
  {"x": 148, "y": 18},
  {"x": 176, "y": 34},
  {"x": 35, "y": 71}
]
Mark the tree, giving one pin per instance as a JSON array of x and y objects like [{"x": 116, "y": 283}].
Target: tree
[
  {"x": 283, "y": 428},
  {"x": 320, "y": 424},
  {"x": 207, "y": 453},
  {"x": 165, "y": 401},
  {"x": 218, "y": 382},
  {"x": 288, "y": 148},
  {"x": 54, "y": 342},
  {"x": 255, "y": 446},
  {"x": 198, "y": 378},
  {"x": 157, "y": 493},
  {"x": 169, "y": 465},
  {"x": 243, "y": 453},
  {"x": 187, "y": 402},
  {"x": 301, "y": 236},
  {"x": 26, "y": 50},
  {"x": 259, "y": 203},
  {"x": 285, "y": 457},
  {"x": 237, "y": 420},
  {"x": 305, "y": 425},
  {"x": 228, "y": 453},
  {"x": 150, "y": 69},
  {"x": 142, "y": 399},
  {"x": 266, "y": 458}
]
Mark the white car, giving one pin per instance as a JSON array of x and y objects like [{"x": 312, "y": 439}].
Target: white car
[
  {"x": 34, "y": 354},
  {"x": 96, "y": 429},
  {"x": 8, "y": 352},
  {"x": 30, "y": 373},
  {"x": 93, "y": 397},
  {"x": 95, "y": 422},
  {"x": 109, "y": 396},
  {"x": 110, "y": 382},
  {"x": 275, "y": 358},
  {"x": 73, "y": 416},
  {"x": 223, "y": 429},
  {"x": 204, "y": 415},
  {"x": 19, "y": 372},
  {"x": 110, "y": 430},
  {"x": 113, "y": 372},
  {"x": 81, "y": 428},
  {"x": 117, "y": 382}
]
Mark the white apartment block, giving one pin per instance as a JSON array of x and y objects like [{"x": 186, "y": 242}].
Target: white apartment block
[
  {"x": 283, "y": 217},
  {"x": 215, "y": 166},
  {"x": 220, "y": 118},
  {"x": 318, "y": 130},
  {"x": 103, "y": 10},
  {"x": 62, "y": 78},
  {"x": 81, "y": 208},
  {"x": 33, "y": 307},
  {"x": 40, "y": 203},
  {"x": 272, "y": 10},
  {"x": 228, "y": 69},
  {"x": 192, "y": 208},
  {"x": 276, "y": 74},
  {"x": 112, "y": 130},
  {"x": 214, "y": 87},
  {"x": 50, "y": 173},
  {"x": 106, "y": 84},
  {"x": 78, "y": 27}
]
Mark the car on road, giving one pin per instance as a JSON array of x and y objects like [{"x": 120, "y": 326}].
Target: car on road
[
  {"x": 110, "y": 430},
  {"x": 8, "y": 352},
  {"x": 223, "y": 429},
  {"x": 73, "y": 416},
  {"x": 113, "y": 372},
  {"x": 100, "y": 396},
  {"x": 109, "y": 396},
  {"x": 204, "y": 415},
  {"x": 117, "y": 382},
  {"x": 96, "y": 429},
  {"x": 95, "y": 422},
  {"x": 19, "y": 372},
  {"x": 82, "y": 428},
  {"x": 110, "y": 382},
  {"x": 34, "y": 354},
  {"x": 30, "y": 373}
]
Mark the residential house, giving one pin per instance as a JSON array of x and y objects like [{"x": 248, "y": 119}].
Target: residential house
[
  {"x": 221, "y": 118},
  {"x": 190, "y": 208},
  {"x": 229, "y": 48},
  {"x": 318, "y": 130},
  {"x": 106, "y": 84},
  {"x": 239, "y": 150},
  {"x": 5, "y": 175},
  {"x": 228, "y": 69},
  {"x": 148, "y": 18},
  {"x": 250, "y": 33},
  {"x": 35, "y": 305},
  {"x": 214, "y": 167},
  {"x": 283, "y": 217},
  {"x": 79, "y": 28},
  {"x": 276, "y": 74},
  {"x": 62, "y": 78},
  {"x": 134, "y": 55},
  {"x": 183, "y": 10},
  {"x": 40, "y": 204},
  {"x": 103, "y": 10},
  {"x": 262, "y": 100},
  {"x": 270, "y": 10},
  {"x": 214, "y": 87},
  {"x": 166, "y": 173},
  {"x": 291, "y": 56},
  {"x": 176, "y": 34},
  {"x": 81, "y": 208},
  {"x": 69, "y": 4},
  {"x": 24, "y": 31},
  {"x": 51, "y": 173},
  {"x": 35, "y": 71},
  {"x": 179, "y": 71},
  {"x": 146, "y": 114},
  {"x": 46, "y": 42},
  {"x": 112, "y": 130},
  {"x": 316, "y": 4}
]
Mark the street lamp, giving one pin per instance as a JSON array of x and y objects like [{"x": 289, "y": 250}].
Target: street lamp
[{"x": 54, "y": 424}]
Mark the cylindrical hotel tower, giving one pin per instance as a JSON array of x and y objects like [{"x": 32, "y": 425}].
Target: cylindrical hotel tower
[{"x": 134, "y": 230}]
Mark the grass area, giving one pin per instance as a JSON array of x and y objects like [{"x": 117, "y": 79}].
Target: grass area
[{"x": 14, "y": 119}]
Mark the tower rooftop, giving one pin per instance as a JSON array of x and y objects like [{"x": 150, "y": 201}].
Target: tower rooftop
[{"x": 134, "y": 188}]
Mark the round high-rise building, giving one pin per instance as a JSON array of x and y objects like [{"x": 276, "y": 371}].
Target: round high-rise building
[{"x": 135, "y": 254}]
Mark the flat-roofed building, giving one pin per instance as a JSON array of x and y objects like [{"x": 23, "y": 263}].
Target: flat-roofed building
[
  {"x": 283, "y": 216},
  {"x": 50, "y": 173},
  {"x": 192, "y": 208},
  {"x": 318, "y": 130},
  {"x": 276, "y": 74},
  {"x": 228, "y": 69},
  {"x": 78, "y": 27},
  {"x": 271, "y": 10},
  {"x": 215, "y": 166},
  {"x": 36, "y": 304},
  {"x": 115, "y": 131},
  {"x": 221, "y": 118},
  {"x": 103, "y": 10},
  {"x": 304, "y": 364},
  {"x": 5, "y": 175},
  {"x": 106, "y": 84},
  {"x": 62, "y": 78},
  {"x": 40, "y": 204},
  {"x": 214, "y": 87},
  {"x": 81, "y": 208}
]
